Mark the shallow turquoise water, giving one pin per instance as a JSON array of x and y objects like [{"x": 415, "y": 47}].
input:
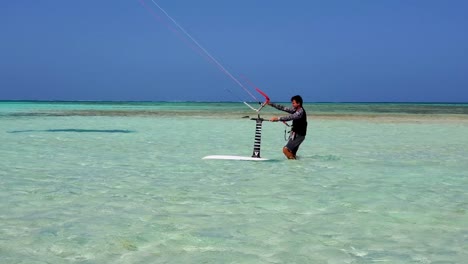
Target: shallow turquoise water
[{"x": 125, "y": 183}]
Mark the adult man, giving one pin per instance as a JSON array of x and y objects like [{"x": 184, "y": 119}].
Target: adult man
[{"x": 299, "y": 125}]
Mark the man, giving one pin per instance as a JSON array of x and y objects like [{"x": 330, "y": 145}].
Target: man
[{"x": 299, "y": 125}]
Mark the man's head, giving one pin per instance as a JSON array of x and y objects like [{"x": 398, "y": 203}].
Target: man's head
[{"x": 296, "y": 101}]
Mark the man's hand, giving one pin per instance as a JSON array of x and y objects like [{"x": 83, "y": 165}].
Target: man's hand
[{"x": 274, "y": 119}]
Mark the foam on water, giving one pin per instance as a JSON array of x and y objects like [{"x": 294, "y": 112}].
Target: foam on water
[{"x": 132, "y": 188}]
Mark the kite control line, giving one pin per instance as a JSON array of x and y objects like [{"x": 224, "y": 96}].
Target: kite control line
[{"x": 267, "y": 101}]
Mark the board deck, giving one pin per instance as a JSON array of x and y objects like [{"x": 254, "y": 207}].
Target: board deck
[{"x": 231, "y": 157}]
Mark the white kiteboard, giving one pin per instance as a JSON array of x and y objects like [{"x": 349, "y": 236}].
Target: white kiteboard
[
  {"x": 230, "y": 157},
  {"x": 256, "y": 150}
]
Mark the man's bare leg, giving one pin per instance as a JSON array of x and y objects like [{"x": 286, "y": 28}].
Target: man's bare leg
[{"x": 288, "y": 153}]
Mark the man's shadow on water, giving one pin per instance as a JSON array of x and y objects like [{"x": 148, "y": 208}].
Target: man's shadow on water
[{"x": 75, "y": 130}]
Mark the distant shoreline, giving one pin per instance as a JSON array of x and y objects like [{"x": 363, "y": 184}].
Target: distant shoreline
[{"x": 386, "y": 112}]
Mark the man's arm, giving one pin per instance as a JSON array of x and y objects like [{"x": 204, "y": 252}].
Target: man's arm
[
  {"x": 283, "y": 108},
  {"x": 296, "y": 115}
]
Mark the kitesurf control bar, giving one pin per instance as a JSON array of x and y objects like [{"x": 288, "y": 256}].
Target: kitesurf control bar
[{"x": 267, "y": 101}]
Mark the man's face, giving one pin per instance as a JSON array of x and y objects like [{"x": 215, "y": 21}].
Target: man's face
[{"x": 295, "y": 104}]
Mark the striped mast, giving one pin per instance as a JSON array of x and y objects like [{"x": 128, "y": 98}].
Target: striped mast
[{"x": 258, "y": 137}]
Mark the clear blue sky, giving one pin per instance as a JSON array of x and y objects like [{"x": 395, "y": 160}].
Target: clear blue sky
[{"x": 327, "y": 51}]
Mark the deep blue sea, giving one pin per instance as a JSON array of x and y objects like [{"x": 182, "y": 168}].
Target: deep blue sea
[{"x": 124, "y": 182}]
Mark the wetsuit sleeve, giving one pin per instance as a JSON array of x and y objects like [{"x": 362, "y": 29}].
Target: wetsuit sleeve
[
  {"x": 296, "y": 115},
  {"x": 283, "y": 108}
]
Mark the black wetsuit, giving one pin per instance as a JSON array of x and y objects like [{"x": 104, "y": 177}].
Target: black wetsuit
[{"x": 299, "y": 125}]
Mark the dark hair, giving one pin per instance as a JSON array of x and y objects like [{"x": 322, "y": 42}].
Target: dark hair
[{"x": 297, "y": 98}]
